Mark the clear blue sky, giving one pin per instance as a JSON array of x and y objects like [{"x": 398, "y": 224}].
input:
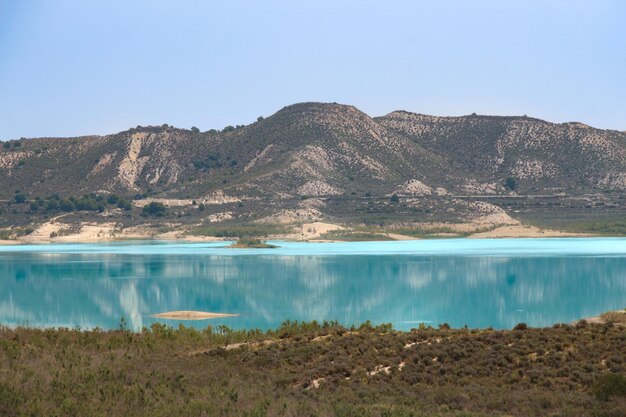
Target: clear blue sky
[{"x": 72, "y": 67}]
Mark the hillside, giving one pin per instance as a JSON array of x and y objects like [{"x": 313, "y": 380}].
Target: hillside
[
  {"x": 315, "y": 369},
  {"x": 314, "y": 161}
]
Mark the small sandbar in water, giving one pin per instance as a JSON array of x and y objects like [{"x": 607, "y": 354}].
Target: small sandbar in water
[{"x": 192, "y": 315}]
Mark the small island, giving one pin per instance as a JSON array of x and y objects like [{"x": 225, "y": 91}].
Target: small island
[{"x": 251, "y": 243}]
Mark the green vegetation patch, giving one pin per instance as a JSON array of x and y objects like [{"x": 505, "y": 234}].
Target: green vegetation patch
[
  {"x": 354, "y": 236},
  {"x": 87, "y": 202},
  {"x": 251, "y": 243}
]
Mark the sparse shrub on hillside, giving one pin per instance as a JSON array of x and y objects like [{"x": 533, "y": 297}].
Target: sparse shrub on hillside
[
  {"x": 394, "y": 198},
  {"x": 88, "y": 202},
  {"x": 511, "y": 183},
  {"x": 20, "y": 198},
  {"x": 195, "y": 129},
  {"x": 66, "y": 205},
  {"x": 124, "y": 204},
  {"x": 212, "y": 161},
  {"x": 154, "y": 209},
  {"x": 112, "y": 199}
]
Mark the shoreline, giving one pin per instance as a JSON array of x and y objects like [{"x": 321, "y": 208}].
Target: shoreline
[
  {"x": 200, "y": 239},
  {"x": 612, "y": 317}
]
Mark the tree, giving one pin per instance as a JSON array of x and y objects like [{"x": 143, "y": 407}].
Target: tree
[
  {"x": 154, "y": 209},
  {"x": 260, "y": 119},
  {"x": 195, "y": 129},
  {"x": 124, "y": 204},
  {"x": 20, "y": 198},
  {"x": 511, "y": 183},
  {"x": 67, "y": 205},
  {"x": 394, "y": 198},
  {"x": 228, "y": 128}
]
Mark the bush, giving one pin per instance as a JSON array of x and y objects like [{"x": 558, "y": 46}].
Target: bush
[
  {"x": 394, "y": 198},
  {"x": 124, "y": 204},
  {"x": 20, "y": 198},
  {"x": 520, "y": 326},
  {"x": 609, "y": 385},
  {"x": 67, "y": 205},
  {"x": 511, "y": 183},
  {"x": 154, "y": 209}
]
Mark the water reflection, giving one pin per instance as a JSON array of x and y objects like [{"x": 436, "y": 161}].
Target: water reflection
[{"x": 89, "y": 290}]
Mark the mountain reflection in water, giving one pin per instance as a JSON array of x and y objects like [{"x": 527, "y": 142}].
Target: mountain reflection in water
[{"x": 97, "y": 289}]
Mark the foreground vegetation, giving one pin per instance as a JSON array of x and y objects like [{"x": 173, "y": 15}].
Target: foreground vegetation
[{"x": 311, "y": 369}]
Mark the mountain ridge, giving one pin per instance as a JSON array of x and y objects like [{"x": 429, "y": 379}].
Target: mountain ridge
[{"x": 328, "y": 151}]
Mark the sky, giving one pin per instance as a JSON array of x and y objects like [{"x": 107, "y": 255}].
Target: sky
[{"x": 78, "y": 67}]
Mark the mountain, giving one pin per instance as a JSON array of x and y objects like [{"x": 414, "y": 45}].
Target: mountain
[{"x": 329, "y": 152}]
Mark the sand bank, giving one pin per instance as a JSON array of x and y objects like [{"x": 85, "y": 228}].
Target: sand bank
[
  {"x": 523, "y": 231},
  {"x": 191, "y": 315}
]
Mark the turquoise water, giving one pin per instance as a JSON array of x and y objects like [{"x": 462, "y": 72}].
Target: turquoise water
[{"x": 481, "y": 283}]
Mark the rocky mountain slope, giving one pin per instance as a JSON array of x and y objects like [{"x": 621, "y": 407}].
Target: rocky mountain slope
[{"x": 308, "y": 156}]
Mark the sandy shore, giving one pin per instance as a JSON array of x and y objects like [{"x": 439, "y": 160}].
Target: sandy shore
[
  {"x": 55, "y": 231},
  {"x": 191, "y": 315},
  {"x": 520, "y": 231}
]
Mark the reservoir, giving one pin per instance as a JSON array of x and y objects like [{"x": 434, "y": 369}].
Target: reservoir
[{"x": 475, "y": 282}]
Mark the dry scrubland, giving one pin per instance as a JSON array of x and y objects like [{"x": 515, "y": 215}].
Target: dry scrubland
[{"x": 310, "y": 369}]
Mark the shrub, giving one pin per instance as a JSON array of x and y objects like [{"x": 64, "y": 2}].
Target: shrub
[
  {"x": 609, "y": 385},
  {"x": 20, "y": 198},
  {"x": 520, "y": 326},
  {"x": 511, "y": 183},
  {"x": 154, "y": 209},
  {"x": 67, "y": 205},
  {"x": 124, "y": 204},
  {"x": 394, "y": 198}
]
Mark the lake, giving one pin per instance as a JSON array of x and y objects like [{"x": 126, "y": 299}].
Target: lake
[{"x": 479, "y": 283}]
